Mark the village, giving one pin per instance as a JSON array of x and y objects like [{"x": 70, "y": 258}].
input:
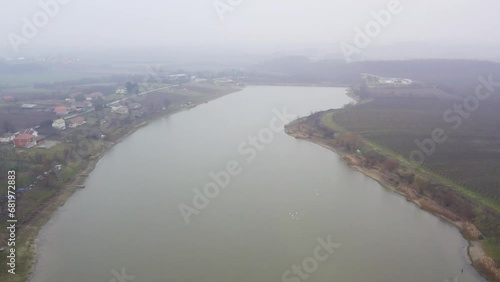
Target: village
[
  {"x": 41, "y": 123},
  {"x": 51, "y": 139},
  {"x": 58, "y": 123},
  {"x": 68, "y": 114},
  {"x": 53, "y": 131}
]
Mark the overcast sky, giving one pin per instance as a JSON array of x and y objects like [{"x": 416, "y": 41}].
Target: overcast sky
[{"x": 259, "y": 24}]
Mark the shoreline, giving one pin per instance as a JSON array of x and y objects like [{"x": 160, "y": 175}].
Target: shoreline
[
  {"x": 475, "y": 251},
  {"x": 34, "y": 224}
]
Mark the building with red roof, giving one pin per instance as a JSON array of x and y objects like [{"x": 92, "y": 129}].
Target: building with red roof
[
  {"x": 25, "y": 140},
  {"x": 61, "y": 110},
  {"x": 95, "y": 96}
]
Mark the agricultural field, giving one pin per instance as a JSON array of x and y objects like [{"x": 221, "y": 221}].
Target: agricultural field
[{"x": 470, "y": 156}]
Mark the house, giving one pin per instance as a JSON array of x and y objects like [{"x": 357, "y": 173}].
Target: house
[
  {"x": 61, "y": 110},
  {"x": 75, "y": 122},
  {"x": 24, "y": 140},
  {"x": 121, "y": 90},
  {"x": 387, "y": 80},
  {"x": 7, "y": 137},
  {"x": 30, "y": 131},
  {"x": 407, "y": 81},
  {"x": 95, "y": 96},
  {"x": 59, "y": 124},
  {"x": 28, "y": 106},
  {"x": 122, "y": 110},
  {"x": 8, "y": 99}
]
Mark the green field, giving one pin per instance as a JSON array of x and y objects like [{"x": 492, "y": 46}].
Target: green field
[{"x": 470, "y": 156}]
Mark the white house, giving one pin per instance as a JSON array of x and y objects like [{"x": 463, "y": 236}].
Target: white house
[
  {"x": 121, "y": 90},
  {"x": 30, "y": 131},
  {"x": 122, "y": 110},
  {"x": 59, "y": 124}
]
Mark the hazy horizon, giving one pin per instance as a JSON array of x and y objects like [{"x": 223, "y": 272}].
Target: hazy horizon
[{"x": 424, "y": 29}]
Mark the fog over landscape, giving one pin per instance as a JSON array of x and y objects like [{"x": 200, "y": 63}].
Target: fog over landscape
[
  {"x": 423, "y": 29},
  {"x": 249, "y": 141}
]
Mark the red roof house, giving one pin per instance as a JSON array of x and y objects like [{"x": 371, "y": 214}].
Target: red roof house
[
  {"x": 61, "y": 110},
  {"x": 25, "y": 140},
  {"x": 95, "y": 96}
]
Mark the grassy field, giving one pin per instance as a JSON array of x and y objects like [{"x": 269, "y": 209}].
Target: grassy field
[{"x": 470, "y": 156}]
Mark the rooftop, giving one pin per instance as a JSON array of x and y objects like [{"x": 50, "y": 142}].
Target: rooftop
[{"x": 24, "y": 136}]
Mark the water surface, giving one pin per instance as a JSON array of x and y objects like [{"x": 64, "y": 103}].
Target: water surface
[{"x": 266, "y": 220}]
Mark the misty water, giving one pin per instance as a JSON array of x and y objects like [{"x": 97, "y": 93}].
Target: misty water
[{"x": 288, "y": 195}]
